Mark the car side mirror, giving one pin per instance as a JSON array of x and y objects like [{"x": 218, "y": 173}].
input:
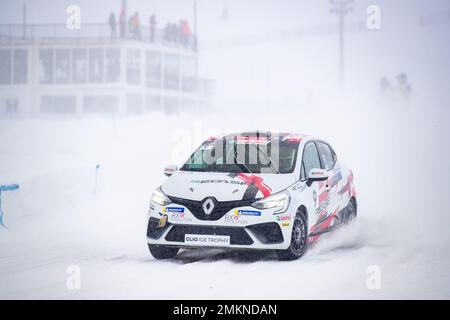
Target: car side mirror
[
  {"x": 317, "y": 174},
  {"x": 170, "y": 170}
]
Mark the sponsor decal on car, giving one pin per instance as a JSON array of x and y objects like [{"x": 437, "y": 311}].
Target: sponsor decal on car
[
  {"x": 285, "y": 224},
  {"x": 162, "y": 221},
  {"x": 206, "y": 240},
  {"x": 315, "y": 197},
  {"x": 293, "y": 138},
  {"x": 255, "y": 213},
  {"x": 235, "y": 219},
  {"x": 173, "y": 209},
  {"x": 252, "y": 140},
  {"x": 218, "y": 181},
  {"x": 254, "y": 184},
  {"x": 180, "y": 217},
  {"x": 283, "y": 217},
  {"x": 322, "y": 206}
]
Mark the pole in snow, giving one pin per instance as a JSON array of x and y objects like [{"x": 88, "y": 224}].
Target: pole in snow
[
  {"x": 5, "y": 187},
  {"x": 341, "y": 8},
  {"x": 95, "y": 178}
]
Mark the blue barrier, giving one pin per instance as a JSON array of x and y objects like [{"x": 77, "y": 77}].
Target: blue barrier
[
  {"x": 3, "y": 188},
  {"x": 9, "y": 187}
]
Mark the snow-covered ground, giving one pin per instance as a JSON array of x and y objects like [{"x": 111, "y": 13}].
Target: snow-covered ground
[{"x": 59, "y": 218}]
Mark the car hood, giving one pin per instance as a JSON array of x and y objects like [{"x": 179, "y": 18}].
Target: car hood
[{"x": 225, "y": 186}]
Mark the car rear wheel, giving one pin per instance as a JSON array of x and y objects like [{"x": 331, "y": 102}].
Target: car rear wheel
[
  {"x": 162, "y": 252},
  {"x": 349, "y": 212},
  {"x": 299, "y": 239}
]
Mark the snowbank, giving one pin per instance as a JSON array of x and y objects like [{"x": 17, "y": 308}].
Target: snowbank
[{"x": 67, "y": 212}]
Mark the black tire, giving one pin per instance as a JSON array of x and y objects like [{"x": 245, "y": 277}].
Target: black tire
[
  {"x": 349, "y": 212},
  {"x": 162, "y": 252},
  {"x": 299, "y": 239}
]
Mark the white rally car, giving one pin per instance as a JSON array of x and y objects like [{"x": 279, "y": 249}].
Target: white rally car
[{"x": 254, "y": 190}]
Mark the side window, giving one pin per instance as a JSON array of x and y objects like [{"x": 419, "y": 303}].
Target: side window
[
  {"x": 327, "y": 155},
  {"x": 310, "y": 158}
]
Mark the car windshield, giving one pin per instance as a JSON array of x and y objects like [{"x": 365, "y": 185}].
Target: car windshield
[{"x": 244, "y": 154}]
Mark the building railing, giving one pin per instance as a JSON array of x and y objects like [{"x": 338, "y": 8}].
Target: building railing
[{"x": 95, "y": 32}]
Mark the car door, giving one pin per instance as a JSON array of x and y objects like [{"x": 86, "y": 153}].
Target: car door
[
  {"x": 330, "y": 187},
  {"x": 311, "y": 160}
]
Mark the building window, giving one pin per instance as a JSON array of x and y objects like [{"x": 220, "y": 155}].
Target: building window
[
  {"x": 188, "y": 74},
  {"x": 58, "y": 104},
  {"x": 11, "y": 105},
  {"x": 20, "y": 66},
  {"x": 171, "y": 71},
  {"x": 112, "y": 59},
  {"x": 62, "y": 66},
  {"x": 134, "y": 103},
  {"x": 170, "y": 105},
  {"x": 188, "y": 105},
  {"x": 153, "y": 70},
  {"x": 5, "y": 66},
  {"x": 95, "y": 65},
  {"x": 152, "y": 103},
  {"x": 79, "y": 66},
  {"x": 134, "y": 66},
  {"x": 45, "y": 66},
  {"x": 100, "y": 104}
]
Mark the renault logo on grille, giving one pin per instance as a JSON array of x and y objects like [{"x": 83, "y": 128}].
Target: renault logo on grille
[{"x": 208, "y": 206}]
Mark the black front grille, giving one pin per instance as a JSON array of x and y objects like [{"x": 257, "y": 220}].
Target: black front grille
[
  {"x": 154, "y": 231},
  {"x": 267, "y": 233},
  {"x": 220, "y": 207},
  {"x": 237, "y": 234}
]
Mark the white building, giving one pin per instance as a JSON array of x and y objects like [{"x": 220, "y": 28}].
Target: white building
[{"x": 49, "y": 69}]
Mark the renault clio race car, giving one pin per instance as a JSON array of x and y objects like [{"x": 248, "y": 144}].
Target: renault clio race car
[{"x": 254, "y": 190}]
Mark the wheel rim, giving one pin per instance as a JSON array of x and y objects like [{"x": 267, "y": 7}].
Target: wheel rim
[{"x": 298, "y": 235}]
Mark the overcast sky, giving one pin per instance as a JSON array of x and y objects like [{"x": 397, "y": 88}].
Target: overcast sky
[{"x": 242, "y": 14}]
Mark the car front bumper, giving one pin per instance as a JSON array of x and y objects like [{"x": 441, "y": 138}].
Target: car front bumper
[{"x": 264, "y": 231}]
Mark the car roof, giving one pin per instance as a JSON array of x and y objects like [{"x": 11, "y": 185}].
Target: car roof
[{"x": 289, "y": 136}]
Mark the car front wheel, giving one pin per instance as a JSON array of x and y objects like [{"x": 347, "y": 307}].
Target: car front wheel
[{"x": 299, "y": 239}]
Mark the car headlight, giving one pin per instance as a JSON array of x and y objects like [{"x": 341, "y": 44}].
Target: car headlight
[
  {"x": 279, "y": 202},
  {"x": 160, "y": 198}
]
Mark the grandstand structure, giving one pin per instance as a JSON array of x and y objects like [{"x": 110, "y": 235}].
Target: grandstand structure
[{"x": 51, "y": 69}]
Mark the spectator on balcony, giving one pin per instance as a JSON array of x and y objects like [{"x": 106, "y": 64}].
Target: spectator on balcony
[
  {"x": 122, "y": 21},
  {"x": 166, "y": 32},
  {"x": 130, "y": 27},
  {"x": 185, "y": 32},
  {"x": 152, "y": 27},
  {"x": 170, "y": 32},
  {"x": 112, "y": 25},
  {"x": 176, "y": 33},
  {"x": 136, "y": 26}
]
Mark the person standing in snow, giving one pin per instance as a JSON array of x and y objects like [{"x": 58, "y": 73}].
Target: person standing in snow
[
  {"x": 386, "y": 89},
  {"x": 403, "y": 89}
]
